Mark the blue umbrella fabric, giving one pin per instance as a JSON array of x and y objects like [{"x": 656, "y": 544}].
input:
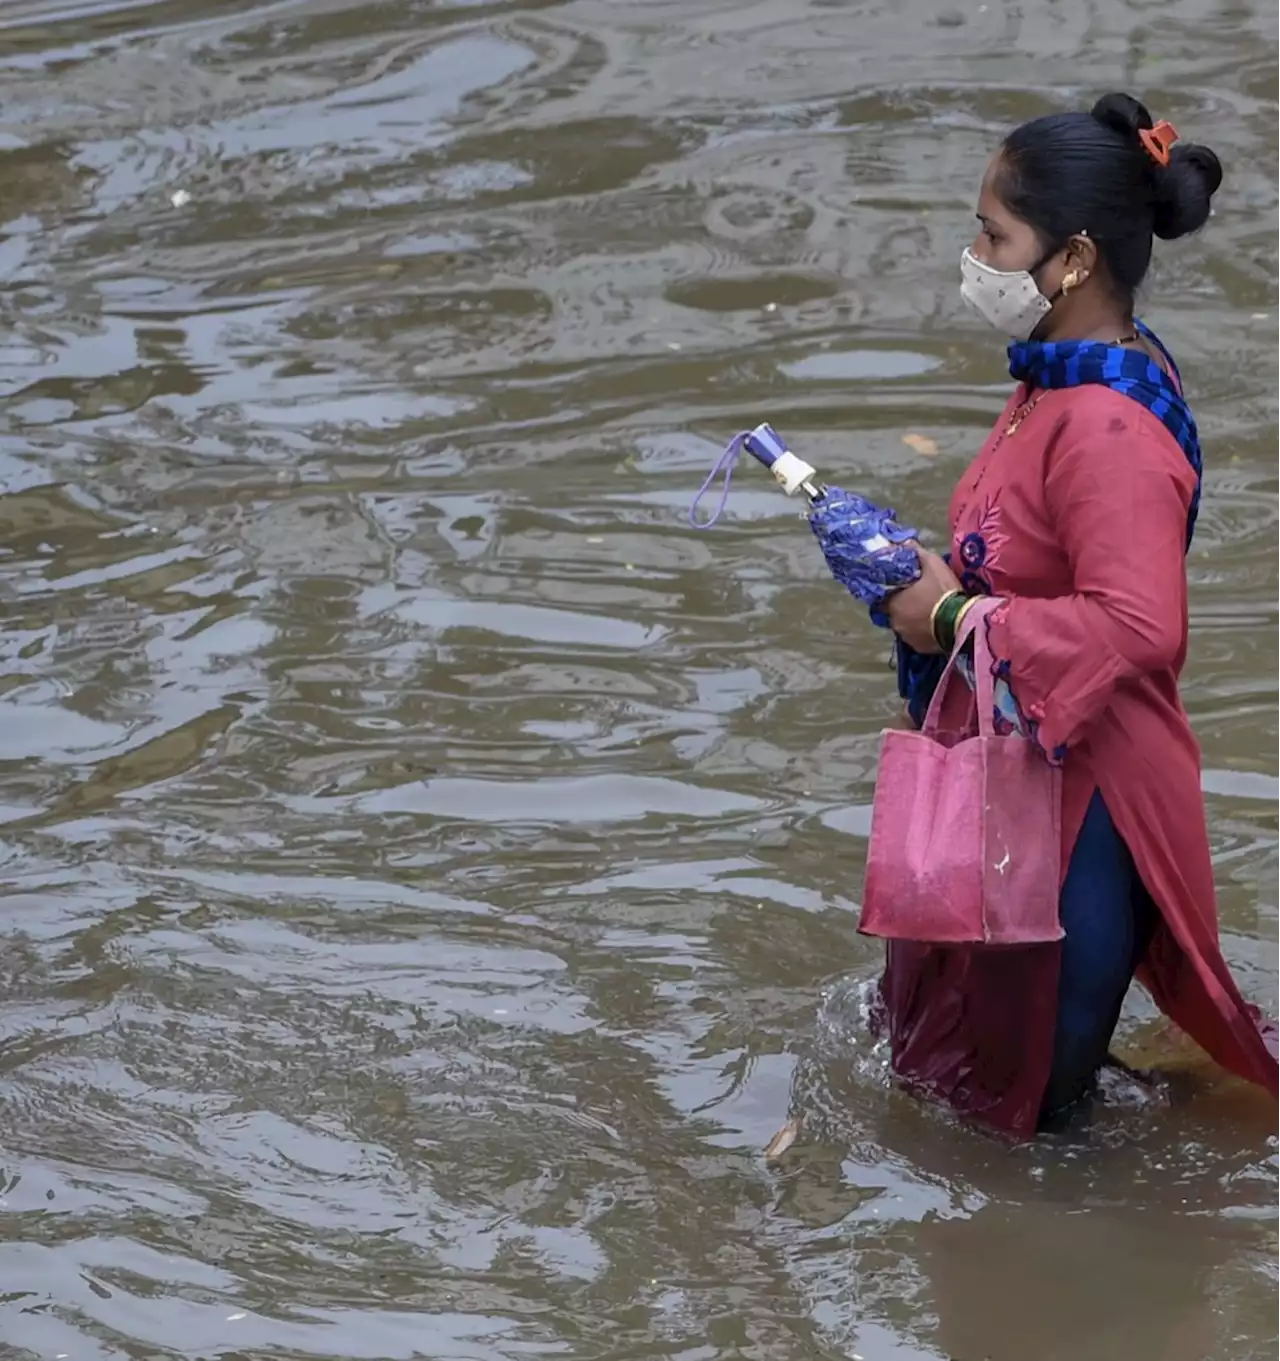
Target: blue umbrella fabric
[{"x": 866, "y": 550}]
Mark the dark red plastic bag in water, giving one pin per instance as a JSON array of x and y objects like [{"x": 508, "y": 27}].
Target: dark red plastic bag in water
[{"x": 966, "y": 826}]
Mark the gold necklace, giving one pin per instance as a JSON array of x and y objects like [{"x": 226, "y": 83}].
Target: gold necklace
[{"x": 1020, "y": 413}]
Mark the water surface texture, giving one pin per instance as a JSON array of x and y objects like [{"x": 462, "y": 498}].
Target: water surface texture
[{"x": 430, "y": 868}]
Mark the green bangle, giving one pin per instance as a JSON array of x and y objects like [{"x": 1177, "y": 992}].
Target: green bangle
[
  {"x": 946, "y": 619},
  {"x": 938, "y": 605}
]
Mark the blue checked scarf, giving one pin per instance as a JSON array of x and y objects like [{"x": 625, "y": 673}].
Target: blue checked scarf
[{"x": 1065, "y": 364}]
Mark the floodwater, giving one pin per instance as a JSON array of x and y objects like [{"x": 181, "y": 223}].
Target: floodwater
[{"x": 430, "y": 867}]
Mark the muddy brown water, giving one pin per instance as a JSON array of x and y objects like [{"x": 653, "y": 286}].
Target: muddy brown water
[{"x": 430, "y": 868}]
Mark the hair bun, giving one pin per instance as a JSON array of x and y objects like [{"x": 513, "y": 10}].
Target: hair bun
[
  {"x": 1122, "y": 114},
  {"x": 1184, "y": 190}
]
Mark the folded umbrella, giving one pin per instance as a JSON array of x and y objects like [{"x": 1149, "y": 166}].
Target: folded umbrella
[{"x": 867, "y": 551}]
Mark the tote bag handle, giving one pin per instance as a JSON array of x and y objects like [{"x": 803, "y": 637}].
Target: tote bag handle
[{"x": 952, "y": 684}]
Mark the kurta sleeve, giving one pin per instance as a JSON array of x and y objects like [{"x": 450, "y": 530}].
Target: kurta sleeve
[{"x": 1118, "y": 490}]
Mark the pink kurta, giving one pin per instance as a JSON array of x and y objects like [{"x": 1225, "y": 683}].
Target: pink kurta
[{"x": 1078, "y": 521}]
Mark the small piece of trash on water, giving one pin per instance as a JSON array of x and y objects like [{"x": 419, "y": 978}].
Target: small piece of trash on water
[
  {"x": 922, "y": 444},
  {"x": 500, "y": 1011},
  {"x": 771, "y": 307},
  {"x": 673, "y": 344},
  {"x": 235, "y": 1318},
  {"x": 594, "y": 538},
  {"x": 784, "y": 1138},
  {"x": 179, "y": 198}
]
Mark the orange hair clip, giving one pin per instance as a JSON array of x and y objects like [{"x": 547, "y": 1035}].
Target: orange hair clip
[{"x": 1159, "y": 141}]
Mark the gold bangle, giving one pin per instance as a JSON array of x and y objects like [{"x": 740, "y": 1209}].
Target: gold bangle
[{"x": 933, "y": 613}]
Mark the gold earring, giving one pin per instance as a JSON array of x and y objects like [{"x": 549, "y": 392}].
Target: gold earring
[{"x": 1070, "y": 281}]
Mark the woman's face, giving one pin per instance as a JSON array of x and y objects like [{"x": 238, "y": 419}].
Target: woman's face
[{"x": 1003, "y": 242}]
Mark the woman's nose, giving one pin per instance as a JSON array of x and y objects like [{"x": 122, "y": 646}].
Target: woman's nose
[{"x": 978, "y": 249}]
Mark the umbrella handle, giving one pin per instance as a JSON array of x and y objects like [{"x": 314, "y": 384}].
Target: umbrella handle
[{"x": 792, "y": 474}]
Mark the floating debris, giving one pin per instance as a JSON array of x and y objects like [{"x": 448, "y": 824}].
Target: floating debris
[
  {"x": 922, "y": 444},
  {"x": 784, "y": 1138}
]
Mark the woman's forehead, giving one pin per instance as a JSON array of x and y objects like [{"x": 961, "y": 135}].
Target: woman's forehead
[
  {"x": 987, "y": 190},
  {"x": 991, "y": 207}
]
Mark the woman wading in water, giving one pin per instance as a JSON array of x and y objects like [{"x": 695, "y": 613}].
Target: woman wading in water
[{"x": 1076, "y": 517}]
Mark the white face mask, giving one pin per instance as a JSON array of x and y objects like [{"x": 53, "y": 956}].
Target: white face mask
[{"x": 1008, "y": 299}]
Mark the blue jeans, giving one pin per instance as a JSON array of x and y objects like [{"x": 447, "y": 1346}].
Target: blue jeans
[{"x": 1105, "y": 911}]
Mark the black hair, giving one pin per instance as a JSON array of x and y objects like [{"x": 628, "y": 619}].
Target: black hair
[{"x": 1068, "y": 174}]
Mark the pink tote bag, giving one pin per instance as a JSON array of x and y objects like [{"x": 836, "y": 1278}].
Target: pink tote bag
[{"x": 966, "y": 826}]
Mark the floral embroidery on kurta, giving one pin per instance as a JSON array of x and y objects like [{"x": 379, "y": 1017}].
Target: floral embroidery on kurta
[{"x": 978, "y": 551}]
